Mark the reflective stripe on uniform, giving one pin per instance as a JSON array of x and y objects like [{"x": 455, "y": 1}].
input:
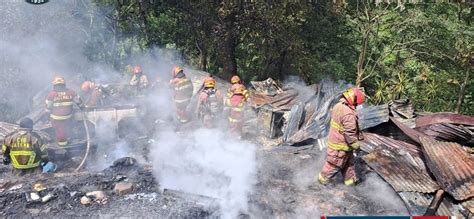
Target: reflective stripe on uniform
[
  {"x": 4, "y": 148},
  {"x": 237, "y": 109},
  {"x": 336, "y": 126},
  {"x": 182, "y": 101},
  {"x": 62, "y": 104},
  {"x": 233, "y": 120},
  {"x": 182, "y": 87},
  {"x": 29, "y": 164},
  {"x": 55, "y": 117},
  {"x": 62, "y": 143},
  {"x": 43, "y": 147},
  {"x": 339, "y": 147}
]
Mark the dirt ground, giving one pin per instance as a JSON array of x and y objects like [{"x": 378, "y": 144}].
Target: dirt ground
[{"x": 285, "y": 189}]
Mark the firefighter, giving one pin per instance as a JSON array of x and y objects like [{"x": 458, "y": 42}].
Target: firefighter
[
  {"x": 236, "y": 103},
  {"x": 183, "y": 91},
  {"x": 139, "y": 80},
  {"x": 59, "y": 103},
  {"x": 26, "y": 150},
  {"x": 91, "y": 94},
  {"x": 343, "y": 139},
  {"x": 236, "y": 80},
  {"x": 209, "y": 103}
]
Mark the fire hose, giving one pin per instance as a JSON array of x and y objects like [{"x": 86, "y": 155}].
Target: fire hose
[{"x": 88, "y": 142}]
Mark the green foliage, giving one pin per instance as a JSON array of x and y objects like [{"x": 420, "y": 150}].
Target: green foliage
[{"x": 418, "y": 51}]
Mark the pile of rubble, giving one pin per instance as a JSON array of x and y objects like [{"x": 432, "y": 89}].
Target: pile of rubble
[
  {"x": 124, "y": 189},
  {"x": 427, "y": 159}
]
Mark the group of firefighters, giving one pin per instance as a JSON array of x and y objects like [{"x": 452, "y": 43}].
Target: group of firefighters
[{"x": 26, "y": 150}]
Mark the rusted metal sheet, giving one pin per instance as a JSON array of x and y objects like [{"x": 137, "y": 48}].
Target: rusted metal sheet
[
  {"x": 451, "y": 166},
  {"x": 448, "y": 132},
  {"x": 400, "y": 171},
  {"x": 444, "y": 118},
  {"x": 403, "y": 111},
  {"x": 372, "y": 116},
  {"x": 469, "y": 205},
  {"x": 283, "y": 101},
  {"x": 417, "y": 203},
  {"x": 372, "y": 140},
  {"x": 411, "y": 133}
]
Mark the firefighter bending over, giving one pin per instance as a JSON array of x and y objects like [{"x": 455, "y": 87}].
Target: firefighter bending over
[
  {"x": 343, "y": 139},
  {"x": 236, "y": 103},
  {"x": 139, "y": 80},
  {"x": 91, "y": 94},
  {"x": 209, "y": 103},
  {"x": 59, "y": 103},
  {"x": 26, "y": 150},
  {"x": 183, "y": 91}
]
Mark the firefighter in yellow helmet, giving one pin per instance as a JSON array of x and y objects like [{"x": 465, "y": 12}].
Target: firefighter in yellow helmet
[
  {"x": 183, "y": 91},
  {"x": 26, "y": 150},
  {"x": 209, "y": 103},
  {"x": 236, "y": 80},
  {"x": 59, "y": 103},
  {"x": 236, "y": 103},
  {"x": 139, "y": 80}
]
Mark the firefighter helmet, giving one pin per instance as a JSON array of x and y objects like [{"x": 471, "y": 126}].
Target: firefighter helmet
[
  {"x": 235, "y": 79},
  {"x": 209, "y": 82},
  {"x": 137, "y": 69},
  {"x": 26, "y": 123},
  {"x": 87, "y": 85},
  {"x": 238, "y": 89},
  {"x": 59, "y": 80},
  {"x": 176, "y": 71},
  {"x": 354, "y": 96}
]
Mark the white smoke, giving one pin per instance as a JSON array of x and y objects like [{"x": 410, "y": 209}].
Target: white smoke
[{"x": 207, "y": 162}]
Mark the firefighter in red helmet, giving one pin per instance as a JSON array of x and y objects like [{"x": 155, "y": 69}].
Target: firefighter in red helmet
[
  {"x": 139, "y": 79},
  {"x": 343, "y": 139},
  {"x": 183, "y": 91}
]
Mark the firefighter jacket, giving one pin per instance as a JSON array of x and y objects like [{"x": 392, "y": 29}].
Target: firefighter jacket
[
  {"x": 60, "y": 103},
  {"x": 246, "y": 94},
  {"x": 183, "y": 90},
  {"x": 210, "y": 102},
  {"x": 236, "y": 103},
  {"x": 25, "y": 148},
  {"x": 92, "y": 97},
  {"x": 139, "y": 80},
  {"x": 344, "y": 128}
]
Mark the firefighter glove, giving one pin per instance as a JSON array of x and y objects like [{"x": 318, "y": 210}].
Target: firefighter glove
[{"x": 355, "y": 145}]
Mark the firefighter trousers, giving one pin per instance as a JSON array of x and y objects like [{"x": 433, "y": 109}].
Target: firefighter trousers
[{"x": 339, "y": 161}]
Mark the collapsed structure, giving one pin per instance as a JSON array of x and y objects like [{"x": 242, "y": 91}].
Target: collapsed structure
[
  {"x": 426, "y": 158},
  {"x": 420, "y": 156}
]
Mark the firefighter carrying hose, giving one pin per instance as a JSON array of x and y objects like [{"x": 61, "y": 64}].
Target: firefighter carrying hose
[
  {"x": 59, "y": 103},
  {"x": 91, "y": 93},
  {"x": 236, "y": 103},
  {"x": 183, "y": 91},
  {"x": 343, "y": 139},
  {"x": 26, "y": 150},
  {"x": 209, "y": 103}
]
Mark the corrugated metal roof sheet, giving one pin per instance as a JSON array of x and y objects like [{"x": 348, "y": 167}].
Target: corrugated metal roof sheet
[
  {"x": 372, "y": 140},
  {"x": 372, "y": 116},
  {"x": 444, "y": 118},
  {"x": 412, "y": 133},
  {"x": 469, "y": 205},
  {"x": 448, "y": 132},
  {"x": 417, "y": 203},
  {"x": 400, "y": 171},
  {"x": 452, "y": 167},
  {"x": 403, "y": 111},
  {"x": 6, "y": 128}
]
